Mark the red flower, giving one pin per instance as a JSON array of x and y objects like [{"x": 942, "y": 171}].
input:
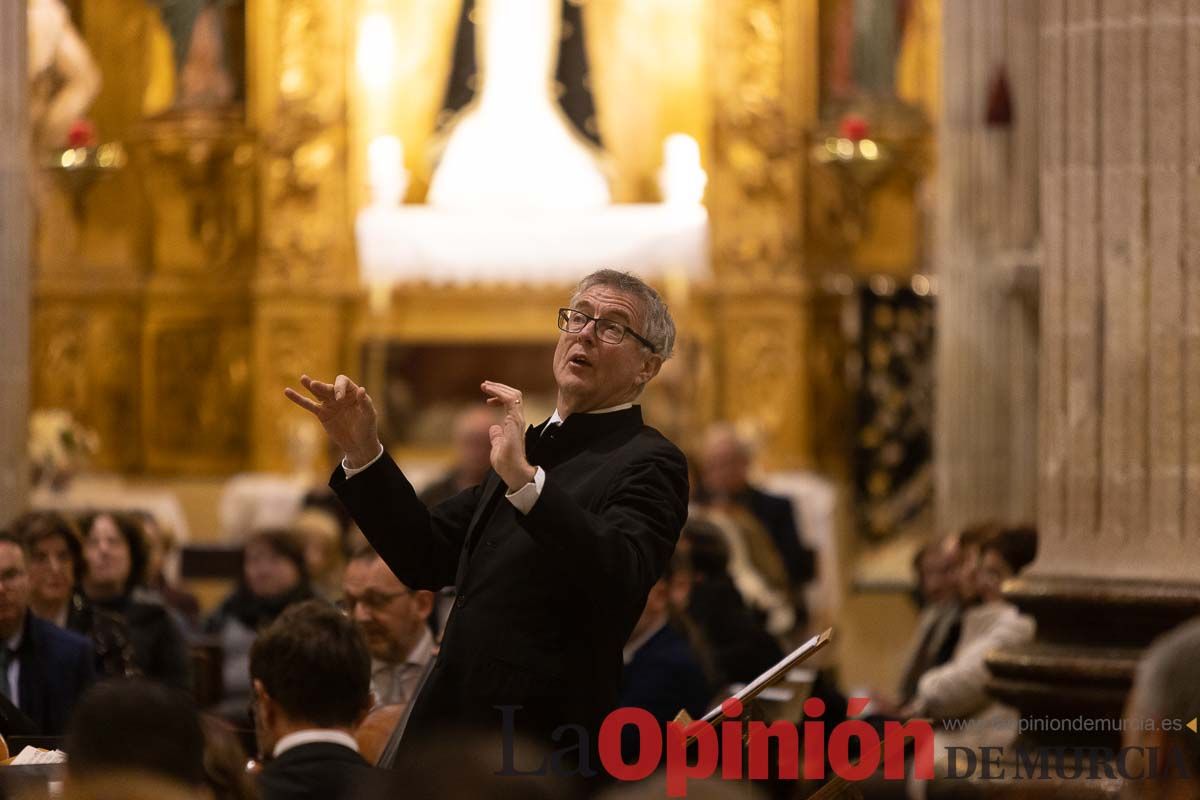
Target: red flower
[
  {"x": 854, "y": 127},
  {"x": 81, "y": 134}
]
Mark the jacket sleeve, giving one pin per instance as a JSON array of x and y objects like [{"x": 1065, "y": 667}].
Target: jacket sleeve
[
  {"x": 958, "y": 688},
  {"x": 621, "y": 549},
  {"x": 421, "y": 546}
]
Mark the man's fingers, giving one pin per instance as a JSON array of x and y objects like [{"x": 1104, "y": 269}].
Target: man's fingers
[
  {"x": 506, "y": 394},
  {"x": 301, "y": 400},
  {"x": 321, "y": 391},
  {"x": 343, "y": 387}
]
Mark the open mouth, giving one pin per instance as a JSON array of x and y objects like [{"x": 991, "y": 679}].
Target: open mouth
[{"x": 579, "y": 361}]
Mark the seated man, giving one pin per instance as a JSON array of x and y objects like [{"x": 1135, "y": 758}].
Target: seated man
[
  {"x": 394, "y": 621},
  {"x": 311, "y": 673},
  {"x": 725, "y": 470},
  {"x": 1166, "y": 689},
  {"x": 46, "y": 668},
  {"x": 958, "y": 688}
]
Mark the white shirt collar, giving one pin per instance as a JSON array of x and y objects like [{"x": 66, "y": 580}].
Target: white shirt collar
[
  {"x": 632, "y": 646},
  {"x": 312, "y": 735},
  {"x": 555, "y": 419}
]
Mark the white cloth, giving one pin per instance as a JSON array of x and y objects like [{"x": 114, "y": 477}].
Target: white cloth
[
  {"x": 396, "y": 682},
  {"x": 311, "y": 736},
  {"x": 958, "y": 688}
]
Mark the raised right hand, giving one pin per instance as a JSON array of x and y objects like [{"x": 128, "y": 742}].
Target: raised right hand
[{"x": 346, "y": 412}]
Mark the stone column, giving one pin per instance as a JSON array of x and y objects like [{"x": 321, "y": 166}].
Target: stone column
[
  {"x": 985, "y": 434},
  {"x": 14, "y": 261},
  {"x": 1119, "y": 451}
]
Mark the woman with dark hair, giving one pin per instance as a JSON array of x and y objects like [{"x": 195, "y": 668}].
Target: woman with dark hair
[
  {"x": 274, "y": 576},
  {"x": 55, "y": 551},
  {"x": 114, "y": 554}
]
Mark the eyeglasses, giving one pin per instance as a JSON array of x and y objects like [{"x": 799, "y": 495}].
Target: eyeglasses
[
  {"x": 607, "y": 330},
  {"x": 372, "y": 601}
]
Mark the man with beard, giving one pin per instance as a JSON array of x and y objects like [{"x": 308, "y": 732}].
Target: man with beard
[{"x": 394, "y": 621}]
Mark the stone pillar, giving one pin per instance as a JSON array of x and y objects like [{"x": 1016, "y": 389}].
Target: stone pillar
[
  {"x": 14, "y": 261},
  {"x": 985, "y": 434},
  {"x": 1119, "y": 477}
]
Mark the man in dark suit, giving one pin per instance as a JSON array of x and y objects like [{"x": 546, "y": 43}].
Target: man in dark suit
[
  {"x": 725, "y": 470},
  {"x": 43, "y": 669},
  {"x": 311, "y": 672},
  {"x": 554, "y": 553}
]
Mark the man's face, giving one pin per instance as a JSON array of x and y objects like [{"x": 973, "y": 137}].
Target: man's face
[
  {"x": 990, "y": 575},
  {"x": 968, "y": 566},
  {"x": 390, "y": 616},
  {"x": 14, "y": 588},
  {"x": 51, "y": 570},
  {"x": 473, "y": 443},
  {"x": 268, "y": 573},
  {"x": 724, "y": 467},
  {"x": 593, "y": 374}
]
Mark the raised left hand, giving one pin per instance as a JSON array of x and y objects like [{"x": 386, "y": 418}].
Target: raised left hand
[{"x": 508, "y": 438}]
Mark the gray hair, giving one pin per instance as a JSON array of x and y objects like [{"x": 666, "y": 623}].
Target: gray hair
[
  {"x": 659, "y": 328},
  {"x": 1168, "y": 686}
]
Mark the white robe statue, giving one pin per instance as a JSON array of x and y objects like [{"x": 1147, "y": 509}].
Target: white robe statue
[{"x": 513, "y": 148}]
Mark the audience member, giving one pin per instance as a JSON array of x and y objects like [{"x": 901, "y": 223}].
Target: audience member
[
  {"x": 311, "y": 672},
  {"x": 958, "y": 687},
  {"x": 321, "y": 534},
  {"x": 740, "y": 644},
  {"x": 664, "y": 673},
  {"x": 53, "y": 545},
  {"x": 939, "y": 624},
  {"x": 136, "y": 726},
  {"x": 161, "y": 547},
  {"x": 725, "y": 470},
  {"x": 394, "y": 622},
  {"x": 45, "y": 668},
  {"x": 472, "y": 455},
  {"x": 115, "y": 561},
  {"x": 1166, "y": 689},
  {"x": 274, "y": 576}
]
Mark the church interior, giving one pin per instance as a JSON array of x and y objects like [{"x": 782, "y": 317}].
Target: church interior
[{"x": 934, "y": 267}]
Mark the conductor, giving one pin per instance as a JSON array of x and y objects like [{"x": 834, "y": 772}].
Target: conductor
[{"x": 554, "y": 553}]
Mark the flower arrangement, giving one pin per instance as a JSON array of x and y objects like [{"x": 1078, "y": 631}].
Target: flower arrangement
[{"x": 59, "y": 446}]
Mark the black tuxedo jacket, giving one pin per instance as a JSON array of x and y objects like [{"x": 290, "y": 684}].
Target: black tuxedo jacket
[
  {"x": 545, "y": 600},
  {"x": 316, "y": 771}
]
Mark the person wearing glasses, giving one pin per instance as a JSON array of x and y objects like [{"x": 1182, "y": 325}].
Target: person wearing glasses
[
  {"x": 554, "y": 553},
  {"x": 395, "y": 622}
]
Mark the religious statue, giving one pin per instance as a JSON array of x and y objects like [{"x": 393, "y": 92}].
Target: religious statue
[
  {"x": 512, "y": 147},
  {"x": 64, "y": 80},
  {"x": 199, "y": 44}
]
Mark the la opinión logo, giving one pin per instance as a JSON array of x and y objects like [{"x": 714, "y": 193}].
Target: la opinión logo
[{"x": 742, "y": 749}]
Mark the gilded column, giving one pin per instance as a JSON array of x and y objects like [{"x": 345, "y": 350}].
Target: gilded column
[
  {"x": 986, "y": 260},
  {"x": 1120, "y": 366},
  {"x": 14, "y": 261},
  {"x": 305, "y": 270},
  {"x": 764, "y": 77}
]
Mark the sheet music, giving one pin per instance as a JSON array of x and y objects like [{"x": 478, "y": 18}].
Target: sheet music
[{"x": 36, "y": 755}]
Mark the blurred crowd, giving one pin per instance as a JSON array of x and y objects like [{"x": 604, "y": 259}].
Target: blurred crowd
[{"x": 296, "y": 684}]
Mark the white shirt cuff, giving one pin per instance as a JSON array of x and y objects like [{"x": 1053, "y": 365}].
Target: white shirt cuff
[
  {"x": 524, "y": 498},
  {"x": 352, "y": 471}
]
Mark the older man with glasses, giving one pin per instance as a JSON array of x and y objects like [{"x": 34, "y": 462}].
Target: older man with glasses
[
  {"x": 554, "y": 553},
  {"x": 395, "y": 622}
]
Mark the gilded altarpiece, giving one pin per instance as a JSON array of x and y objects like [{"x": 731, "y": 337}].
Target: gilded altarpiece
[{"x": 218, "y": 264}]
